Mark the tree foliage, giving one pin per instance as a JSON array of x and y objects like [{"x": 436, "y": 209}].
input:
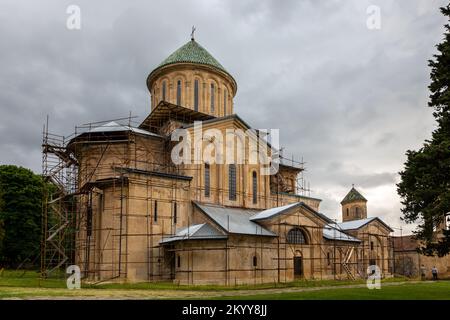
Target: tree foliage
[
  {"x": 20, "y": 214},
  {"x": 2, "y": 225},
  {"x": 425, "y": 180}
]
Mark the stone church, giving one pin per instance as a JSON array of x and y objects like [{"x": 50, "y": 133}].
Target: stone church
[{"x": 141, "y": 217}]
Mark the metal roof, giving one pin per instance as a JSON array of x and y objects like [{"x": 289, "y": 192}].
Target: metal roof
[
  {"x": 234, "y": 220},
  {"x": 273, "y": 211},
  {"x": 332, "y": 233},
  {"x": 324, "y": 217},
  {"x": 298, "y": 196},
  {"x": 113, "y": 126},
  {"x": 224, "y": 118},
  {"x": 202, "y": 231},
  {"x": 356, "y": 224}
]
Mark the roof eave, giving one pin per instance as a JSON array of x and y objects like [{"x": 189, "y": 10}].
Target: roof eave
[
  {"x": 276, "y": 214},
  {"x": 198, "y": 205},
  {"x": 346, "y": 240},
  {"x": 369, "y": 221}
]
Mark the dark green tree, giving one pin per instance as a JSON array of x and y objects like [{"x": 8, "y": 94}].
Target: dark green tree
[
  {"x": 425, "y": 180},
  {"x": 21, "y": 194},
  {"x": 2, "y": 225}
]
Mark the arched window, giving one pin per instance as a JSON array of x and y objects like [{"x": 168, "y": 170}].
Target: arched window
[
  {"x": 212, "y": 97},
  {"x": 196, "y": 95},
  {"x": 255, "y": 261},
  {"x": 255, "y": 187},
  {"x": 225, "y": 97},
  {"x": 232, "y": 182},
  {"x": 347, "y": 212},
  {"x": 179, "y": 92},
  {"x": 357, "y": 212},
  {"x": 296, "y": 236},
  {"x": 207, "y": 180},
  {"x": 328, "y": 259},
  {"x": 163, "y": 91}
]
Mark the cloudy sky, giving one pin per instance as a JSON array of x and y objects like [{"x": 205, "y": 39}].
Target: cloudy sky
[{"x": 348, "y": 99}]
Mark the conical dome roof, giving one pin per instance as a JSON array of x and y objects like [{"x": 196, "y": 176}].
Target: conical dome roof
[
  {"x": 192, "y": 52},
  {"x": 353, "y": 195}
]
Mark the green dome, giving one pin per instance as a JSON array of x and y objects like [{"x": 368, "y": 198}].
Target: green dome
[
  {"x": 192, "y": 52},
  {"x": 353, "y": 195}
]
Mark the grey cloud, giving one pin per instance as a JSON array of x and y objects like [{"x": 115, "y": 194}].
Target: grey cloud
[{"x": 349, "y": 100}]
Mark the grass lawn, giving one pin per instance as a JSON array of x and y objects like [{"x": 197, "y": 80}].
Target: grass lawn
[
  {"x": 27, "y": 284},
  {"x": 13, "y": 278},
  {"x": 418, "y": 291}
]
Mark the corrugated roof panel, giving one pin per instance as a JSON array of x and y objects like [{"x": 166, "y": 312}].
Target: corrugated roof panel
[
  {"x": 355, "y": 224},
  {"x": 273, "y": 211},
  {"x": 190, "y": 230},
  {"x": 234, "y": 220},
  {"x": 332, "y": 233},
  {"x": 202, "y": 231},
  {"x": 114, "y": 126}
]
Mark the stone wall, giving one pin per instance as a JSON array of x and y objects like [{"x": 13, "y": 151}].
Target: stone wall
[{"x": 187, "y": 74}]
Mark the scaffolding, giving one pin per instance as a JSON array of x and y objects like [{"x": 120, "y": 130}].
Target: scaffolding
[
  {"x": 75, "y": 180},
  {"x": 109, "y": 191},
  {"x": 59, "y": 169},
  {"x": 348, "y": 261}
]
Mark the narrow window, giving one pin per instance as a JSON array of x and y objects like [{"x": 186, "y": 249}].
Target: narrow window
[
  {"x": 225, "y": 97},
  {"x": 196, "y": 95},
  {"x": 175, "y": 217},
  {"x": 89, "y": 220},
  {"x": 102, "y": 203},
  {"x": 212, "y": 98},
  {"x": 357, "y": 212},
  {"x": 232, "y": 182},
  {"x": 328, "y": 258},
  {"x": 164, "y": 91},
  {"x": 179, "y": 92},
  {"x": 255, "y": 187},
  {"x": 207, "y": 180},
  {"x": 371, "y": 245},
  {"x": 255, "y": 261},
  {"x": 155, "y": 213},
  {"x": 347, "y": 212},
  {"x": 178, "y": 261},
  {"x": 257, "y": 143}
]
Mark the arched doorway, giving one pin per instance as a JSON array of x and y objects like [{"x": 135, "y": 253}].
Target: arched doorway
[{"x": 298, "y": 265}]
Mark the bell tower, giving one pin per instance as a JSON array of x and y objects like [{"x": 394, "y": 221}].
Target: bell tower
[{"x": 354, "y": 206}]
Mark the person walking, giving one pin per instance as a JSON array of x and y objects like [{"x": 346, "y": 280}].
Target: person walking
[{"x": 434, "y": 272}]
